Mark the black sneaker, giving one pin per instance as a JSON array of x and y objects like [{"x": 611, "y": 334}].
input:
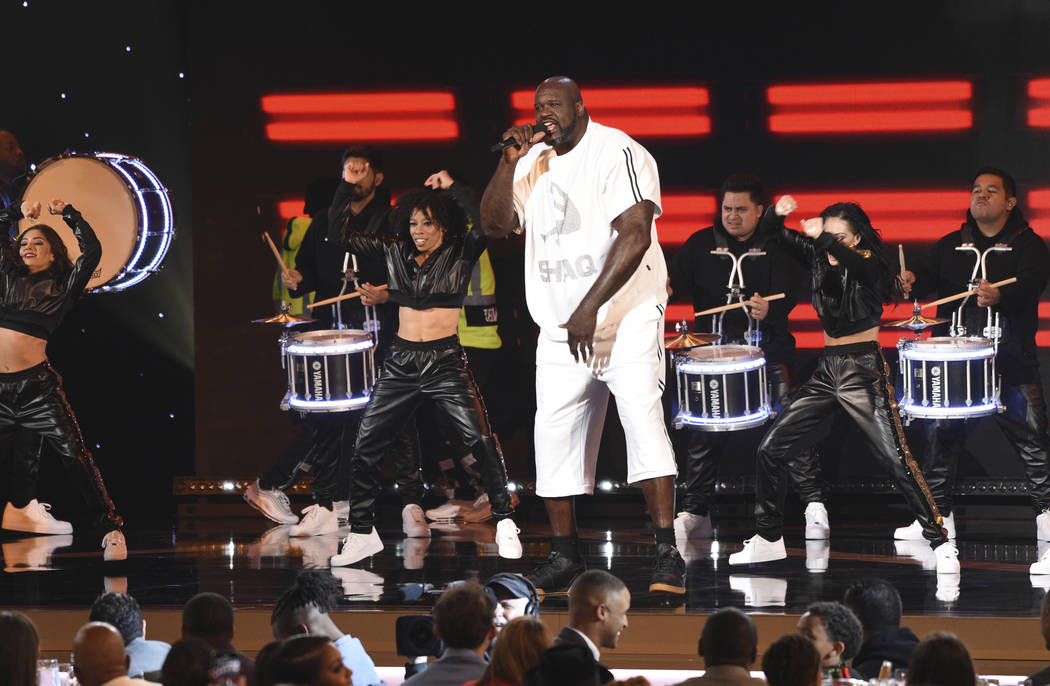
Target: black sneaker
[
  {"x": 556, "y": 574},
  {"x": 669, "y": 570}
]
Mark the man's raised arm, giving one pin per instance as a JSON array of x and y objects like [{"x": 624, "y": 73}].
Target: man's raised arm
[{"x": 497, "y": 204}]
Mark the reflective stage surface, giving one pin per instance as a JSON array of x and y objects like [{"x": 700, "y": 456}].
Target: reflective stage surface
[{"x": 249, "y": 560}]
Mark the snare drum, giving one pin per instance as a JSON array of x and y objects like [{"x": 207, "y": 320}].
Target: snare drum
[
  {"x": 949, "y": 378},
  {"x": 330, "y": 371},
  {"x": 722, "y": 388},
  {"x": 124, "y": 202}
]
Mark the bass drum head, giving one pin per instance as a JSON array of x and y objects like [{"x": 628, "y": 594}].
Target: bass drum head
[{"x": 102, "y": 196}]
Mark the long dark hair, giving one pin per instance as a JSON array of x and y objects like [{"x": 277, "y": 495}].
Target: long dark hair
[
  {"x": 298, "y": 660},
  {"x": 871, "y": 240},
  {"x": 438, "y": 206},
  {"x": 18, "y": 649},
  {"x": 62, "y": 265},
  {"x": 941, "y": 659}
]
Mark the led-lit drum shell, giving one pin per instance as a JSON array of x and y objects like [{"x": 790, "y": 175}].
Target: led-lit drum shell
[
  {"x": 949, "y": 378},
  {"x": 329, "y": 371},
  {"x": 124, "y": 202},
  {"x": 722, "y": 388}
]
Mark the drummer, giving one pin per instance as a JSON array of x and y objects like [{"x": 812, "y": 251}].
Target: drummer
[
  {"x": 695, "y": 272},
  {"x": 851, "y": 280},
  {"x": 993, "y": 218}
]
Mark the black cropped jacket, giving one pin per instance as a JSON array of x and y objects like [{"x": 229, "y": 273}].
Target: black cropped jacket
[
  {"x": 443, "y": 279},
  {"x": 847, "y": 297},
  {"x": 35, "y": 304}
]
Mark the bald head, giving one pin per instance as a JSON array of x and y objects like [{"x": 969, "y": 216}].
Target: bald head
[
  {"x": 98, "y": 654},
  {"x": 564, "y": 85}
]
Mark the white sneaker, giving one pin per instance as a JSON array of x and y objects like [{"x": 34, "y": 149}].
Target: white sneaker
[
  {"x": 114, "y": 546},
  {"x": 453, "y": 509},
  {"x": 273, "y": 504},
  {"x": 1042, "y": 566},
  {"x": 357, "y": 547},
  {"x": 948, "y": 587},
  {"x": 758, "y": 549},
  {"x": 33, "y": 553},
  {"x": 316, "y": 551},
  {"x": 507, "y": 539},
  {"x": 913, "y": 532},
  {"x": 919, "y": 551},
  {"x": 1042, "y": 526},
  {"x": 817, "y": 554},
  {"x": 34, "y": 518},
  {"x": 360, "y": 584},
  {"x": 413, "y": 523},
  {"x": 947, "y": 558},
  {"x": 316, "y": 520},
  {"x": 817, "y": 525},
  {"x": 760, "y": 591},
  {"x": 481, "y": 509},
  {"x": 342, "y": 510},
  {"x": 689, "y": 526}
]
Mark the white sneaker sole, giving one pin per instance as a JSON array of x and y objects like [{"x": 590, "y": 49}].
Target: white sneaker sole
[{"x": 371, "y": 549}]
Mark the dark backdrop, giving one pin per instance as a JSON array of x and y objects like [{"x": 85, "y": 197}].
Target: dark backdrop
[{"x": 204, "y": 135}]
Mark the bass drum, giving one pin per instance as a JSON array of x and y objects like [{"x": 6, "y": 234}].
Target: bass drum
[{"x": 124, "y": 202}]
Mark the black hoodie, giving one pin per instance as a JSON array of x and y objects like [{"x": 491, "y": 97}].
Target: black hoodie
[
  {"x": 895, "y": 645},
  {"x": 945, "y": 271}
]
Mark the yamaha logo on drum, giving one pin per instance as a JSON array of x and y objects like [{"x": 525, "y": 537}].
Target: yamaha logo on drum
[
  {"x": 318, "y": 379},
  {"x": 715, "y": 398},
  {"x": 936, "y": 395}
]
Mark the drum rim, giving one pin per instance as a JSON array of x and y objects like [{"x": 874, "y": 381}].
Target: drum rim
[
  {"x": 314, "y": 336},
  {"x": 947, "y": 343},
  {"x": 739, "y": 353}
]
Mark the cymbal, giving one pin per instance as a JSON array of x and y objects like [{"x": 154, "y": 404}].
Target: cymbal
[
  {"x": 681, "y": 341},
  {"x": 285, "y": 319},
  {"x": 917, "y": 322}
]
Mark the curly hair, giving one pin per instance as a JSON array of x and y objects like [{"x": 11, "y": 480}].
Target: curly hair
[
  {"x": 437, "y": 206},
  {"x": 120, "y": 610},
  {"x": 840, "y": 624},
  {"x": 62, "y": 265},
  {"x": 870, "y": 239},
  {"x": 315, "y": 587}
]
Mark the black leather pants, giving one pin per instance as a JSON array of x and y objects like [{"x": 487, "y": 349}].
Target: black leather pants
[
  {"x": 705, "y": 448},
  {"x": 32, "y": 401},
  {"x": 855, "y": 379},
  {"x": 1024, "y": 423},
  {"x": 434, "y": 371}
]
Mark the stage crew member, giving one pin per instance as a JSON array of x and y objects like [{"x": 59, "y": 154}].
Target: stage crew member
[
  {"x": 695, "y": 272},
  {"x": 587, "y": 196},
  {"x": 38, "y": 286},
  {"x": 851, "y": 279},
  {"x": 994, "y": 218},
  {"x": 429, "y": 266}
]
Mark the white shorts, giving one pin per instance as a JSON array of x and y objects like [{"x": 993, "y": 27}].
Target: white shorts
[{"x": 571, "y": 399}]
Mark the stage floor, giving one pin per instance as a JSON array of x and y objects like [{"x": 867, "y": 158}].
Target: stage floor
[
  {"x": 224, "y": 547},
  {"x": 252, "y": 561}
]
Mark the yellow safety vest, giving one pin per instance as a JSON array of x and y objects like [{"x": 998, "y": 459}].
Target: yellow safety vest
[
  {"x": 291, "y": 240},
  {"x": 482, "y": 331}
]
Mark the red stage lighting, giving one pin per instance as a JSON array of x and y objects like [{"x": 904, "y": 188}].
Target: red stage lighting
[
  {"x": 870, "y": 107},
  {"x": 1039, "y": 103},
  {"x": 343, "y": 117},
  {"x": 645, "y": 112}
]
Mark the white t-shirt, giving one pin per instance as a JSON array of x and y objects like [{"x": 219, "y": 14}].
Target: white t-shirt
[{"x": 565, "y": 204}]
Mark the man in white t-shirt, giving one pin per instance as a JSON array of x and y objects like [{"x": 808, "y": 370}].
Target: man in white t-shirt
[{"x": 586, "y": 196}]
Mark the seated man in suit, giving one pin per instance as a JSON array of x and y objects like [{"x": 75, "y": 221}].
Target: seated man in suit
[
  {"x": 464, "y": 621},
  {"x": 598, "y": 605}
]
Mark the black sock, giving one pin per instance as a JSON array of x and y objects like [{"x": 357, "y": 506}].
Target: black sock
[
  {"x": 566, "y": 546},
  {"x": 664, "y": 535}
]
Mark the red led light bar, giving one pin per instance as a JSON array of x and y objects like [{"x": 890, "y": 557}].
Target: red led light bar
[
  {"x": 641, "y": 112},
  {"x": 1039, "y": 103},
  {"x": 901, "y": 216},
  {"x": 342, "y": 117},
  {"x": 683, "y": 215},
  {"x": 286, "y": 209},
  {"x": 870, "y": 107}
]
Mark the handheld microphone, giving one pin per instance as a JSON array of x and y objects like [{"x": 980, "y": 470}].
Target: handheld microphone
[{"x": 507, "y": 142}]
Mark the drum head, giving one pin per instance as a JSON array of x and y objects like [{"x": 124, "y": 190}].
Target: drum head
[
  {"x": 725, "y": 353},
  {"x": 102, "y": 196},
  {"x": 949, "y": 344},
  {"x": 330, "y": 338}
]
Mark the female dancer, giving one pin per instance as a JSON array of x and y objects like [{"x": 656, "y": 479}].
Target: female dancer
[
  {"x": 851, "y": 280},
  {"x": 428, "y": 271},
  {"x": 38, "y": 286}
]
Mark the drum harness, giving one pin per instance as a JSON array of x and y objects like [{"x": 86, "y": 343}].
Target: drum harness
[{"x": 735, "y": 287}]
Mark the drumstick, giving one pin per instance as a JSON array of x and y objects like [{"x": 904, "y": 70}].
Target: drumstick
[
  {"x": 900, "y": 254},
  {"x": 276, "y": 253},
  {"x": 725, "y": 308},
  {"x": 959, "y": 296},
  {"x": 329, "y": 301}
]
